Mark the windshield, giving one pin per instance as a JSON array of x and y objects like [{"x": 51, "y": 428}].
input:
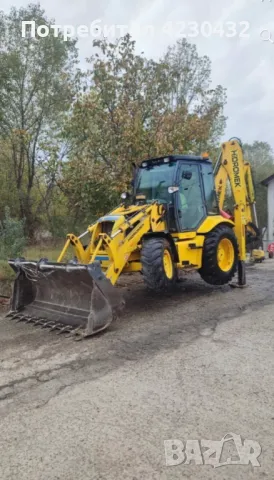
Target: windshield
[{"x": 154, "y": 181}]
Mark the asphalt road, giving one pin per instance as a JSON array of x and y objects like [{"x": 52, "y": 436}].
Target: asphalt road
[{"x": 194, "y": 365}]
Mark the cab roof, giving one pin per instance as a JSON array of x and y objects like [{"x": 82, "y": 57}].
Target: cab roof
[{"x": 174, "y": 158}]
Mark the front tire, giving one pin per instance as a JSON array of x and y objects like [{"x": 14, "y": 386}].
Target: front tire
[
  {"x": 220, "y": 256},
  {"x": 158, "y": 267}
]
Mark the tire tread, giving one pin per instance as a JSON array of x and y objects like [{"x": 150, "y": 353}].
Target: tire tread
[
  {"x": 210, "y": 271},
  {"x": 152, "y": 264}
]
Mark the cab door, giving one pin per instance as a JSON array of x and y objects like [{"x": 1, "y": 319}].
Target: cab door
[{"x": 191, "y": 209}]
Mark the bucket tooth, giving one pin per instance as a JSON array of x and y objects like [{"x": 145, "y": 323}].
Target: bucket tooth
[
  {"x": 74, "y": 332},
  {"x": 65, "y": 329},
  {"x": 38, "y": 322},
  {"x": 48, "y": 324},
  {"x": 15, "y": 316},
  {"x": 56, "y": 326},
  {"x": 22, "y": 318},
  {"x": 31, "y": 320}
]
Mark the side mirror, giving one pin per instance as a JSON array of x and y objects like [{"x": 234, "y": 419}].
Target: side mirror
[{"x": 187, "y": 174}]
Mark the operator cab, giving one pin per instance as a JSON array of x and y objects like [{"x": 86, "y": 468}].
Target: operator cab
[{"x": 184, "y": 183}]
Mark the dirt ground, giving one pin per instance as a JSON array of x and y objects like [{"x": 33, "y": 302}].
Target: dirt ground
[{"x": 197, "y": 364}]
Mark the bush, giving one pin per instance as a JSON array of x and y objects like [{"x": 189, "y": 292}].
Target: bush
[{"x": 12, "y": 239}]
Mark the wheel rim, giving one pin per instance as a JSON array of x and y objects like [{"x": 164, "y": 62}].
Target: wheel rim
[
  {"x": 168, "y": 264},
  {"x": 225, "y": 255}
]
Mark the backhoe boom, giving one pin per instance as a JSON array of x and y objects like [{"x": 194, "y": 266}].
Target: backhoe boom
[{"x": 231, "y": 167}]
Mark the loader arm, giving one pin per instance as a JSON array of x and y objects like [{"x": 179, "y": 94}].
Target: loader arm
[
  {"x": 114, "y": 249},
  {"x": 78, "y": 297},
  {"x": 232, "y": 168}
]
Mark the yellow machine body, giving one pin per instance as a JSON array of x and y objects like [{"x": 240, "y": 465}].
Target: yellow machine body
[
  {"x": 147, "y": 233},
  {"x": 118, "y": 256}
]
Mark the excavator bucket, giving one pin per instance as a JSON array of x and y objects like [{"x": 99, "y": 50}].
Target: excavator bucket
[{"x": 70, "y": 298}]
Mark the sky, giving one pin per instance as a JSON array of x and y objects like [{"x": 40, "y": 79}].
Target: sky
[{"x": 230, "y": 32}]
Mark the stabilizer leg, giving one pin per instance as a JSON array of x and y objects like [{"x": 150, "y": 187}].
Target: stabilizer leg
[
  {"x": 241, "y": 273},
  {"x": 241, "y": 276}
]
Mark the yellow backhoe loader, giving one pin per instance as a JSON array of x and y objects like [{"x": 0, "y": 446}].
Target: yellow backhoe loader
[{"x": 173, "y": 220}]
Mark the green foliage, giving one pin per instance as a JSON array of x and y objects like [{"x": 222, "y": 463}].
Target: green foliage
[
  {"x": 88, "y": 196},
  {"x": 190, "y": 77},
  {"x": 68, "y": 138},
  {"x": 133, "y": 108},
  {"x": 37, "y": 85},
  {"x": 261, "y": 157},
  {"x": 12, "y": 240}
]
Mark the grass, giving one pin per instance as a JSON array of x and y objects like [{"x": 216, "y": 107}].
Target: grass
[
  {"x": 6, "y": 273},
  {"x": 37, "y": 252},
  {"x": 33, "y": 253}
]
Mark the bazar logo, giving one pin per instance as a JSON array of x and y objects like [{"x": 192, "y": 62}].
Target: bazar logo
[{"x": 209, "y": 452}]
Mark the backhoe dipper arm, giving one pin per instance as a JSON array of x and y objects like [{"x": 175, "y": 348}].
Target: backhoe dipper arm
[
  {"x": 221, "y": 178},
  {"x": 231, "y": 166},
  {"x": 251, "y": 194}
]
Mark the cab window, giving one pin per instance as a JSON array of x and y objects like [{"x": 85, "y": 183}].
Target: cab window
[
  {"x": 191, "y": 205},
  {"x": 209, "y": 187}
]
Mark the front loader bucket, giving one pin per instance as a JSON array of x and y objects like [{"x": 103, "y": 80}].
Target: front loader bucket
[{"x": 66, "y": 297}]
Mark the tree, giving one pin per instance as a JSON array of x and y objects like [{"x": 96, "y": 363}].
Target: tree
[
  {"x": 191, "y": 88},
  {"x": 37, "y": 79},
  {"x": 259, "y": 154},
  {"x": 261, "y": 157},
  {"x": 127, "y": 111}
]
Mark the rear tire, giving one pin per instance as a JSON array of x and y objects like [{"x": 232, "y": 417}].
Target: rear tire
[
  {"x": 271, "y": 255},
  {"x": 158, "y": 267},
  {"x": 220, "y": 256}
]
